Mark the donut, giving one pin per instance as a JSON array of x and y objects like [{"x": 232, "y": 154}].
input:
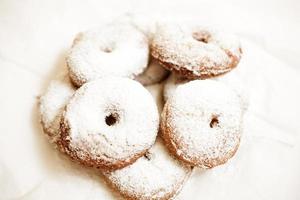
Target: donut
[
  {"x": 116, "y": 49},
  {"x": 231, "y": 80},
  {"x": 153, "y": 74},
  {"x": 202, "y": 123},
  {"x": 156, "y": 175},
  {"x": 109, "y": 123},
  {"x": 52, "y": 103},
  {"x": 195, "y": 52}
]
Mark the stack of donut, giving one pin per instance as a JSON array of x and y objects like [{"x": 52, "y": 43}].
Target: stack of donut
[{"x": 100, "y": 114}]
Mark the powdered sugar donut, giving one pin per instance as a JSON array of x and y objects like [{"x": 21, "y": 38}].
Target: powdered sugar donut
[
  {"x": 195, "y": 52},
  {"x": 117, "y": 49},
  {"x": 204, "y": 129},
  {"x": 153, "y": 74},
  {"x": 157, "y": 175},
  {"x": 231, "y": 79},
  {"x": 52, "y": 103},
  {"x": 109, "y": 123}
]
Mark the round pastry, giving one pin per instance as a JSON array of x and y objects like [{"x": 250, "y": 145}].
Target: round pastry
[
  {"x": 153, "y": 74},
  {"x": 195, "y": 52},
  {"x": 203, "y": 128},
  {"x": 52, "y": 103},
  {"x": 109, "y": 123},
  {"x": 156, "y": 175},
  {"x": 117, "y": 49},
  {"x": 231, "y": 79}
]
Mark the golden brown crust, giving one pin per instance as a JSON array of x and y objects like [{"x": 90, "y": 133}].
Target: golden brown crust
[{"x": 205, "y": 73}]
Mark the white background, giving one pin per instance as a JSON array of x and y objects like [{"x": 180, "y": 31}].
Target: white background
[{"x": 34, "y": 36}]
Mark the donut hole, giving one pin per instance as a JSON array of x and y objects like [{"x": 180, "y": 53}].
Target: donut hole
[
  {"x": 201, "y": 37},
  {"x": 107, "y": 49},
  {"x": 112, "y": 119},
  {"x": 214, "y": 122},
  {"x": 148, "y": 156}
]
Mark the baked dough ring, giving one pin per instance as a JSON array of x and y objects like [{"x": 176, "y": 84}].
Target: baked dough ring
[
  {"x": 195, "y": 52},
  {"x": 117, "y": 49},
  {"x": 109, "y": 123},
  {"x": 157, "y": 175},
  {"x": 202, "y": 123}
]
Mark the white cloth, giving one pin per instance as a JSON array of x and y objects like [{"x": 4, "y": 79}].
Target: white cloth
[{"x": 34, "y": 37}]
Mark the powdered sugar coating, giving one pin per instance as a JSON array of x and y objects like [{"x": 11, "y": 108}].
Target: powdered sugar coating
[
  {"x": 155, "y": 176},
  {"x": 52, "y": 103},
  {"x": 109, "y": 123},
  {"x": 230, "y": 79},
  {"x": 195, "y": 52},
  {"x": 117, "y": 49},
  {"x": 171, "y": 84},
  {"x": 202, "y": 123},
  {"x": 153, "y": 74}
]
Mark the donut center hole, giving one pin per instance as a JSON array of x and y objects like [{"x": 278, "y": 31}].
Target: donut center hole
[
  {"x": 148, "y": 156},
  {"x": 201, "y": 36},
  {"x": 111, "y": 119},
  {"x": 107, "y": 49},
  {"x": 214, "y": 122}
]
